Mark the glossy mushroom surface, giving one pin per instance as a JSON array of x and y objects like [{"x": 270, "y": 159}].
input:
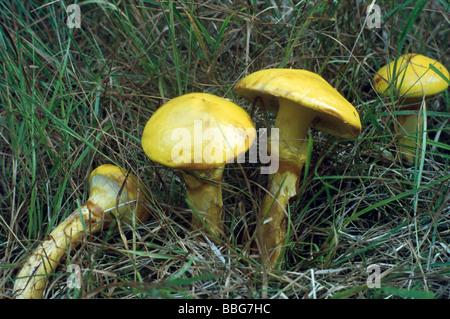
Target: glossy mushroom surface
[
  {"x": 300, "y": 99},
  {"x": 413, "y": 81},
  {"x": 198, "y": 134}
]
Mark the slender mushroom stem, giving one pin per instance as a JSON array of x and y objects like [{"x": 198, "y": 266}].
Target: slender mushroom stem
[
  {"x": 412, "y": 127},
  {"x": 205, "y": 194},
  {"x": 294, "y": 122},
  {"x": 302, "y": 99},
  {"x": 105, "y": 194},
  {"x": 33, "y": 277}
]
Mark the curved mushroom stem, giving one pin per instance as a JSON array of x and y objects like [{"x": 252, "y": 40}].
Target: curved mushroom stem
[
  {"x": 105, "y": 191},
  {"x": 412, "y": 126},
  {"x": 293, "y": 122},
  {"x": 33, "y": 277},
  {"x": 205, "y": 194}
]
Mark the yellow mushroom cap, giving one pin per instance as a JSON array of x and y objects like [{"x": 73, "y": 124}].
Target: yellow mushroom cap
[
  {"x": 333, "y": 113},
  {"x": 197, "y": 131},
  {"x": 107, "y": 182},
  {"x": 411, "y": 76},
  {"x": 117, "y": 175}
]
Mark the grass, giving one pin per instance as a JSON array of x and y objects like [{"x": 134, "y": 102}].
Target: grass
[{"x": 72, "y": 99}]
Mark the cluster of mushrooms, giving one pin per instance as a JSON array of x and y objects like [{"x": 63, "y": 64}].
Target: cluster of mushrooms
[{"x": 300, "y": 99}]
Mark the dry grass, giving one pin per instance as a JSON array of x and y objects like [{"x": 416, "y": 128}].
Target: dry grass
[{"x": 75, "y": 99}]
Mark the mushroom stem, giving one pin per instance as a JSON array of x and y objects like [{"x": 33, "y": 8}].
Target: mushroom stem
[
  {"x": 294, "y": 123},
  {"x": 205, "y": 194},
  {"x": 33, "y": 277},
  {"x": 110, "y": 193},
  {"x": 412, "y": 126}
]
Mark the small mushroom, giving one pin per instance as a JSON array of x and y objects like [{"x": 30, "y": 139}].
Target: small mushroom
[
  {"x": 111, "y": 192},
  {"x": 300, "y": 99},
  {"x": 413, "y": 80},
  {"x": 198, "y": 133}
]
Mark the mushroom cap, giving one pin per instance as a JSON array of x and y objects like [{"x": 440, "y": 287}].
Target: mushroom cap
[
  {"x": 118, "y": 175},
  {"x": 411, "y": 76},
  {"x": 197, "y": 131},
  {"x": 106, "y": 183},
  {"x": 334, "y": 114}
]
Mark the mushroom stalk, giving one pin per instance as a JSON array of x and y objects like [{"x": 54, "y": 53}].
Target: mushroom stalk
[
  {"x": 110, "y": 192},
  {"x": 33, "y": 277},
  {"x": 302, "y": 99},
  {"x": 294, "y": 122},
  {"x": 205, "y": 194},
  {"x": 412, "y": 127}
]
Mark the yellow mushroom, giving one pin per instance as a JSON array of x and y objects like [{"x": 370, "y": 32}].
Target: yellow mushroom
[
  {"x": 413, "y": 80},
  {"x": 109, "y": 188},
  {"x": 301, "y": 99},
  {"x": 198, "y": 133}
]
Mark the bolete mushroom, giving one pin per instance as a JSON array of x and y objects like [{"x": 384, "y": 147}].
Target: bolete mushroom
[
  {"x": 111, "y": 192},
  {"x": 198, "y": 133},
  {"x": 413, "y": 80},
  {"x": 300, "y": 99}
]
